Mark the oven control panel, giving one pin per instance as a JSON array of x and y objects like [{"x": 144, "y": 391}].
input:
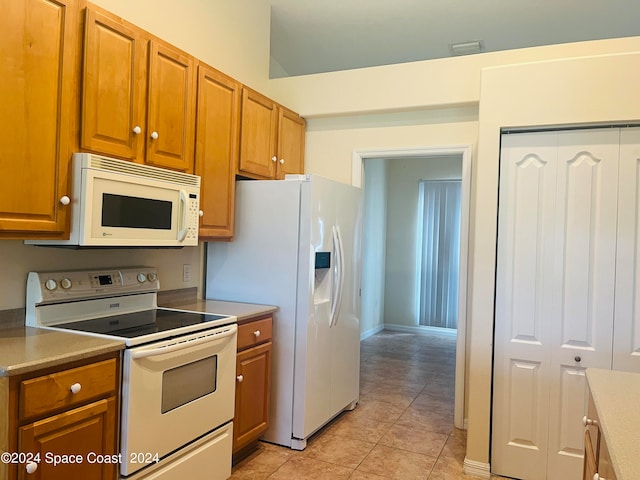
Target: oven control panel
[{"x": 62, "y": 286}]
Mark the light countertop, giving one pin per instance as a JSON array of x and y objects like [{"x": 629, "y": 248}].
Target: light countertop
[
  {"x": 616, "y": 396},
  {"x": 26, "y": 349}
]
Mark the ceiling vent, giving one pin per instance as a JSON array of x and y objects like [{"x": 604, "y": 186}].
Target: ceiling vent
[{"x": 466, "y": 48}]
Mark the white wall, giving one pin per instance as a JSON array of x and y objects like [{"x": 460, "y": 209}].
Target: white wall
[
  {"x": 598, "y": 89},
  {"x": 17, "y": 259},
  {"x": 402, "y": 230},
  {"x": 374, "y": 246},
  {"x": 232, "y": 36}
]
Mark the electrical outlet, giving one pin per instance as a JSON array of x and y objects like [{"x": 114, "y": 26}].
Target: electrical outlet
[{"x": 186, "y": 272}]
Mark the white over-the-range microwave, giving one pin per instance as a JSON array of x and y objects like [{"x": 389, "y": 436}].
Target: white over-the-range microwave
[{"x": 116, "y": 203}]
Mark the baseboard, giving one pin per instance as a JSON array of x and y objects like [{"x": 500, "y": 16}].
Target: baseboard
[
  {"x": 371, "y": 332},
  {"x": 421, "y": 330},
  {"x": 476, "y": 469}
]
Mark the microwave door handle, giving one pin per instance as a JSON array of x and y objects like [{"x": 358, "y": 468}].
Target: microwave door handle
[
  {"x": 182, "y": 221},
  {"x": 183, "y": 345}
]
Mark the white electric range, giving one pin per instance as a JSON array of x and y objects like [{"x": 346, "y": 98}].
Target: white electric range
[{"x": 178, "y": 382}]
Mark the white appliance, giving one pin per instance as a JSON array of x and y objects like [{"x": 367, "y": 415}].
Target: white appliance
[
  {"x": 297, "y": 246},
  {"x": 178, "y": 390},
  {"x": 123, "y": 204}
]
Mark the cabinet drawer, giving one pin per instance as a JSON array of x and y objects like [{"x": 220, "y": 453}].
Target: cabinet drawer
[
  {"x": 48, "y": 393},
  {"x": 254, "y": 333}
]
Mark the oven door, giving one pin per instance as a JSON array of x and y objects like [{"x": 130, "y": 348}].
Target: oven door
[{"x": 175, "y": 391}]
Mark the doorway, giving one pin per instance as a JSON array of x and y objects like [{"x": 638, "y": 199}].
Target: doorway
[{"x": 463, "y": 153}]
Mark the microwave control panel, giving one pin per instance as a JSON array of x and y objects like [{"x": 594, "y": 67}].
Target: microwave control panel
[{"x": 193, "y": 219}]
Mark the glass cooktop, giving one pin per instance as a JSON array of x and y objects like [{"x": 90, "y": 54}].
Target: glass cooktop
[{"x": 139, "y": 324}]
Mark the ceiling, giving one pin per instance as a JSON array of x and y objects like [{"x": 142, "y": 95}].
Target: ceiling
[{"x": 313, "y": 36}]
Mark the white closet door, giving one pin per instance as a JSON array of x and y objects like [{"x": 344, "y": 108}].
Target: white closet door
[
  {"x": 626, "y": 351},
  {"x": 525, "y": 263},
  {"x": 583, "y": 285}
]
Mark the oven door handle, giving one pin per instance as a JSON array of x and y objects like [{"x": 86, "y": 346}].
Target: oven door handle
[{"x": 183, "y": 345}]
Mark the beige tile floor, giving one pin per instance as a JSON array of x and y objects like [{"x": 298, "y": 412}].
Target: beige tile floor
[{"x": 402, "y": 428}]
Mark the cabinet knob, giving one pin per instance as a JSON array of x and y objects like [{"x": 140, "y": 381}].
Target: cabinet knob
[
  {"x": 240, "y": 378},
  {"x": 137, "y": 130},
  {"x": 75, "y": 388},
  {"x": 201, "y": 213},
  {"x": 282, "y": 161},
  {"x": 154, "y": 135},
  {"x": 578, "y": 358},
  {"x": 588, "y": 421},
  {"x": 257, "y": 333},
  {"x": 31, "y": 467},
  {"x": 598, "y": 477},
  {"x": 274, "y": 159},
  {"x": 65, "y": 200}
]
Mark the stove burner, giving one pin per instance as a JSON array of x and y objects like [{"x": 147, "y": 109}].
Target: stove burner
[{"x": 138, "y": 324}]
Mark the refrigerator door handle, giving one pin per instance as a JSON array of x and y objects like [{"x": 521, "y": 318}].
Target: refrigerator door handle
[{"x": 338, "y": 281}]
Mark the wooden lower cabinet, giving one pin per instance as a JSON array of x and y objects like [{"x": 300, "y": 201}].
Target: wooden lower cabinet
[
  {"x": 76, "y": 440},
  {"x": 253, "y": 381},
  {"x": 597, "y": 460},
  {"x": 63, "y": 422}
]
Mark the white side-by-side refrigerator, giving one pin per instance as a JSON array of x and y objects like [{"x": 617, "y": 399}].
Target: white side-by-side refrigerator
[{"x": 297, "y": 246}]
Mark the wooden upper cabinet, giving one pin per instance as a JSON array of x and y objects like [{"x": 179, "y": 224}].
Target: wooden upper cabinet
[
  {"x": 171, "y": 108},
  {"x": 259, "y": 127},
  {"x": 291, "y": 131},
  {"x": 271, "y": 138},
  {"x": 138, "y": 97},
  {"x": 217, "y": 128},
  {"x": 114, "y": 87},
  {"x": 38, "y": 92}
]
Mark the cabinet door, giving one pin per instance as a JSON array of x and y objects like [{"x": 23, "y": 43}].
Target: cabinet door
[
  {"x": 38, "y": 93},
  {"x": 259, "y": 123},
  {"x": 170, "y": 108},
  {"x": 554, "y": 295},
  {"x": 253, "y": 369},
  {"x": 528, "y": 170},
  {"x": 217, "y": 129},
  {"x": 626, "y": 346},
  {"x": 584, "y": 247},
  {"x": 291, "y": 130},
  {"x": 114, "y": 87},
  {"x": 83, "y": 431}
]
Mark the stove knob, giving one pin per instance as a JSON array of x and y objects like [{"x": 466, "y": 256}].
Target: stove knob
[
  {"x": 142, "y": 277},
  {"x": 65, "y": 283},
  {"x": 152, "y": 277},
  {"x": 51, "y": 284}
]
